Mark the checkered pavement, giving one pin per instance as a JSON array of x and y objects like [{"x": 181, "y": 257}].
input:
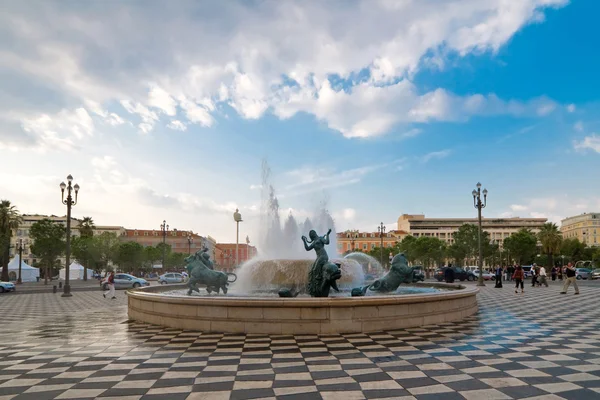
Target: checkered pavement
[{"x": 537, "y": 345}]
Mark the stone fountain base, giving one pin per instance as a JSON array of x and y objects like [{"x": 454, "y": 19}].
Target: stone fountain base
[{"x": 300, "y": 315}]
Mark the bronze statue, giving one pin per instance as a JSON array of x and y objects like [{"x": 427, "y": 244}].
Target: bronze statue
[
  {"x": 399, "y": 273},
  {"x": 323, "y": 274},
  {"x": 201, "y": 271}
]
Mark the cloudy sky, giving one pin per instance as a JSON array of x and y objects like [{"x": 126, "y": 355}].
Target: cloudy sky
[{"x": 165, "y": 110}]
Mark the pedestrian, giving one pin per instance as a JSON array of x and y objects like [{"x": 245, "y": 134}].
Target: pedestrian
[
  {"x": 110, "y": 282},
  {"x": 449, "y": 274},
  {"x": 560, "y": 272},
  {"x": 570, "y": 272},
  {"x": 542, "y": 280},
  {"x": 554, "y": 272},
  {"x": 534, "y": 275},
  {"x": 499, "y": 277},
  {"x": 518, "y": 276}
]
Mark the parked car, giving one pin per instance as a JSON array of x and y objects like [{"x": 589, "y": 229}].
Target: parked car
[
  {"x": 583, "y": 273},
  {"x": 419, "y": 274},
  {"x": 7, "y": 287},
  {"x": 487, "y": 276},
  {"x": 126, "y": 281},
  {"x": 596, "y": 273},
  {"x": 170, "y": 277},
  {"x": 460, "y": 274}
]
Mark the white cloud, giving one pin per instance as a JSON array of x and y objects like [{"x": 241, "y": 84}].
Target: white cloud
[
  {"x": 571, "y": 108},
  {"x": 148, "y": 116},
  {"x": 177, "y": 125},
  {"x": 114, "y": 120},
  {"x": 591, "y": 142},
  {"x": 554, "y": 209},
  {"x": 518, "y": 207},
  {"x": 578, "y": 126},
  {"x": 267, "y": 56},
  {"x": 436, "y": 155},
  {"x": 105, "y": 162},
  {"x": 60, "y": 131},
  {"x": 160, "y": 99}
]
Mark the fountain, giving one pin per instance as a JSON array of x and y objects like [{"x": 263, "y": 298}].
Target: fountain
[{"x": 284, "y": 292}]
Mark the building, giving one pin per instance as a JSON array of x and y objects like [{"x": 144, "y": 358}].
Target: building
[
  {"x": 177, "y": 239},
  {"x": 444, "y": 228},
  {"x": 585, "y": 227},
  {"x": 354, "y": 240},
  {"x": 225, "y": 255},
  {"x": 22, "y": 232}
]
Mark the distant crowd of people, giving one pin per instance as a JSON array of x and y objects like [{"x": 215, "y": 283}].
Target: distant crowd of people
[{"x": 538, "y": 274}]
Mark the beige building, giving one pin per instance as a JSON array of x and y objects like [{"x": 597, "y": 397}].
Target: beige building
[
  {"x": 444, "y": 228},
  {"x": 354, "y": 240},
  {"x": 585, "y": 227},
  {"x": 22, "y": 232}
]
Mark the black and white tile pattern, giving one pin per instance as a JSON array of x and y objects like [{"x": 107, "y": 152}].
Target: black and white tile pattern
[{"x": 539, "y": 345}]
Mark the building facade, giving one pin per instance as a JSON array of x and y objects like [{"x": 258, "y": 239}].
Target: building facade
[
  {"x": 354, "y": 240},
  {"x": 444, "y": 228},
  {"x": 584, "y": 227},
  {"x": 225, "y": 255},
  {"x": 177, "y": 239}
]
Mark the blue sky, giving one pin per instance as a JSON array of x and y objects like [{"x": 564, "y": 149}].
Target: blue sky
[{"x": 379, "y": 107}]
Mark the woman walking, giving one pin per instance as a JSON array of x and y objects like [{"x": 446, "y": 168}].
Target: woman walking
[
  {"x": 110, "y": 282},
  {"x": 518, "y": 276}
]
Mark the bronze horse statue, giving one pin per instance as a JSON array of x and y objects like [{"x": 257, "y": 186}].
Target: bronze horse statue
[{"x": 201, "y": 271}]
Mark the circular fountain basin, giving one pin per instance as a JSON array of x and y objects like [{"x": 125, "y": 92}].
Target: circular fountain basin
[{"x": 301, "y": 315}]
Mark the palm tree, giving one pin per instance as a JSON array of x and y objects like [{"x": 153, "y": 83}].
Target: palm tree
[
  {"x": 9, "y": 220},
  {"x": 86, "y": 230},
  {"x": 86, "y": 227},
  {"x": 551, "y": 240}
]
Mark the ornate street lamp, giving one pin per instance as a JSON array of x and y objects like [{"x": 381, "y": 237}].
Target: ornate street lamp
[
  {"x": 381, "y": 230},
  {"x": 479, "y": 205},
  {"x": 164, "y": 228},
  {"x": 20, "y": 249},
  {"x": 237, "y": 217},
  {"x": 69, "y": 202},
  {"x": 190, "y": 240}
]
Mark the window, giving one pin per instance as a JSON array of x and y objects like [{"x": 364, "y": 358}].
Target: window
[
  {"x": 365, "y": 246},
  {"x": 135, "y": 233},
  {"x": 146, "y": 233},
  {"x": 372, "y": 246}
]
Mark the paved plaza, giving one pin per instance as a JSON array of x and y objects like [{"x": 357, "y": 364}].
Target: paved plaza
[{"x": 540, "y": 345}]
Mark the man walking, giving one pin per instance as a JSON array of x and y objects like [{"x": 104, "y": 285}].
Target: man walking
[
  {"x": 570, "y": 271},
  {"x": 543, "y": 280},
  {"x": 110, "y": 282}
]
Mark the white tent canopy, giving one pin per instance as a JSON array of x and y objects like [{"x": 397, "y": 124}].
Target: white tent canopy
[
  {"x": 28, "y": 273},
  {"x": 75, "y": 271}
]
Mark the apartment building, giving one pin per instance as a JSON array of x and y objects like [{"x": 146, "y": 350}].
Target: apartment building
[
  {"x": 353, "y": 240},
  {"x": 444, "y": 228},
  {"x": 585, "y": 227}
]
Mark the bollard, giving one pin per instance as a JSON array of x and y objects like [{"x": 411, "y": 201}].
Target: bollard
[
  {"x": 54, "y": 289},
  {"x": 60, "y": 285}
]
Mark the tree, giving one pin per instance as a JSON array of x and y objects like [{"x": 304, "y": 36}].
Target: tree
[
  {"x": 84, "y": 251},
  {"x": 107, "y": 247},
  {"x": 176, "y": 260},
  {"x": 9, "y": 220},
  {"x": 466, "y": 245},
  {"x": 573, "y": 249},
  {"x": 48, "y": 243},
  {"x": 551, "y": 240},
  {"x": 522, "y": 246},
  {"x": 408, "y": 247},
  {"x": 151, "y": 255},
  {"x": 429, "y": 250},
  {"x": 86, "y": 227},
  {"x": 130, "y": 256}
]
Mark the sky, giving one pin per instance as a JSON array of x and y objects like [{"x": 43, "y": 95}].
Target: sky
[{"x": 166, "y": 110}]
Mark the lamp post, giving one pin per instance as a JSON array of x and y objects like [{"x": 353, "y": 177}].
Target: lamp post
[
  {"x": 69, "y": 202},
  {"x": 381, "y": 230},
  {"x": 164, "y": 228},
  {"x": 190, "y": 240},
  {"x": 237, "y": 217},
  {"x": 492, "y": 244},
  {"x": 20, "y": 249},
  {"x": 479, "y": 205}
]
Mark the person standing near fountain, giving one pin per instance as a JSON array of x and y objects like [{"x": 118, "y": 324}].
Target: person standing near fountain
[{"x": 315, "y": 274}]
